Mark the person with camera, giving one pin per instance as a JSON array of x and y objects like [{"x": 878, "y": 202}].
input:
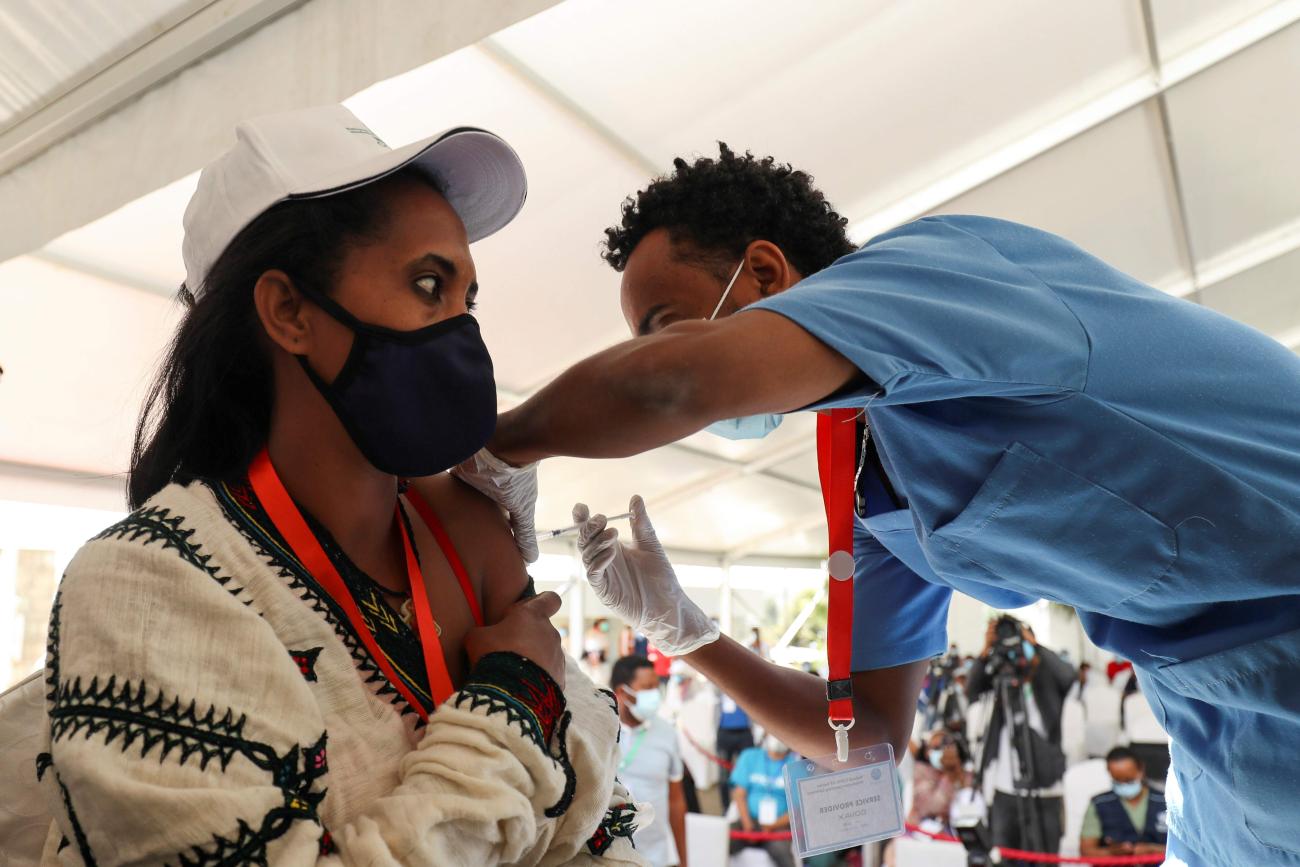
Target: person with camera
[{"x": 1022, "y": 752}]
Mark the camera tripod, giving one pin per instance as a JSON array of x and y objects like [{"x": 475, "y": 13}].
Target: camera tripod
[{"x": 1008, "y": 684}]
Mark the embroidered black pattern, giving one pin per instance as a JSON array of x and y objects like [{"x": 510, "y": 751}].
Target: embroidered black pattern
[
  {"x": 133, "y": 714},
  {"x": 45, "y": 761},
  {"x": 239, "y": 505},
  {"x": 619, "y": 821},
  {"x": 315, "y": 764},
  {"x": 156, "y": 524},
  {"x": 294, "y": 773},
  {"x": 560, "y": 807},
  {"x": 528, "y": 696},
  {"x": 83, "y": 846},
  {"x": 52, "y": 649},
  {"x": 249, "y": 844},
  {"x": 127, "y": 712},
  {"x": 306, "y": 660},
  {"x": 609, "y": 697}
]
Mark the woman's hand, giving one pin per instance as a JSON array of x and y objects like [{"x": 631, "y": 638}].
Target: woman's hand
[{"x": 526, "y": 630}]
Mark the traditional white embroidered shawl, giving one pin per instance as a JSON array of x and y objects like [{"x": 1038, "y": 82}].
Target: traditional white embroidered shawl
[{"x": 205, "y": 705}]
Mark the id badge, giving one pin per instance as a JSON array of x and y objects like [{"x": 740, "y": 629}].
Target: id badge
[
  {"x": 837, "y": 805},
  {"x": 767, "y": 811}
]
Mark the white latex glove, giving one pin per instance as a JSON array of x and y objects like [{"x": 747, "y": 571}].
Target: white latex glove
[
  {"x": 638, "y": 582},
  {"x": 512, "y": 488}
]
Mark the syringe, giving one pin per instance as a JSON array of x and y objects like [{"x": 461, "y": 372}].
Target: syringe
[{"x": 573, "y": 528}]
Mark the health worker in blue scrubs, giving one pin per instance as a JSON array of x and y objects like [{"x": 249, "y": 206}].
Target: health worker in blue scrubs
[{"x": 1039, "y": 425}]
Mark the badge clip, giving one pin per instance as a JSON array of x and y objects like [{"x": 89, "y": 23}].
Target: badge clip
[{"x": 842, "y": 739}]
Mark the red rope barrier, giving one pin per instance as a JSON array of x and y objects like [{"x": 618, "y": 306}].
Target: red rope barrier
[
  {"x": 760, "y": 836},
  {"x": 1045, "y": 858},
  {"x": 1016, "y": 854},
  {"x": 708, "y": 755}
]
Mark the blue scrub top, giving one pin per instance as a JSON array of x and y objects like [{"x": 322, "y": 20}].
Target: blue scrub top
[{"x": 1059, "y": 430}]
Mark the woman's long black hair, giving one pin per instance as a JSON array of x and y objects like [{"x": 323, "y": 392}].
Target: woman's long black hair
[{"x": 208, "y": 410}]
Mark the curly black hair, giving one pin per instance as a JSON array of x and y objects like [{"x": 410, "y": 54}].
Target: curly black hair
[{"x": 718, "y": 206}]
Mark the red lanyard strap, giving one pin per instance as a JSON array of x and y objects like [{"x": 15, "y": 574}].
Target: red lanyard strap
[
  {"x": 288, "y": 520},
  {"x": 836, "y": 438},
  {"x": 431, "y": 521}
]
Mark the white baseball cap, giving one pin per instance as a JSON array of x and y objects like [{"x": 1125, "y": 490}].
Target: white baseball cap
[{"x": 316, "y": 152}]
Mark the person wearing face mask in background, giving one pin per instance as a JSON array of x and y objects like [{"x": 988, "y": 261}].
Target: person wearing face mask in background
[
  {"x": 758, "y": 791},
  {"x": 938, "y": 775},
  {"x": 651, "y": 765},
  {"x": 940, "y": 782},
  {"x": 1129, "y": 819}
]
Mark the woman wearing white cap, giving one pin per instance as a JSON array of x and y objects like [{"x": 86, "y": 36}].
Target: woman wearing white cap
[{"x": 286, "y": 655}]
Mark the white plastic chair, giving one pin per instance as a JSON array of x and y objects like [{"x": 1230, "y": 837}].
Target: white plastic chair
[
  {"x": 1074, "y": 731},
  {"x": 706, "y": 839},
  {"x": 1140, "y": 723},
  {"x": 1102, "y": 731},
  {"x": 1081, "y": 783},
  {"x": 907, "y": 775},
  {"x": 749, "y": 858},
  {"x": 911, "y": 852}
]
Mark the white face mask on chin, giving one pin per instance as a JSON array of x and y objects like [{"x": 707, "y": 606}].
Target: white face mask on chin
[{"x": 750, "y": 427}]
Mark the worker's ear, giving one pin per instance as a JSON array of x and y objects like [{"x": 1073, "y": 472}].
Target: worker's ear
[{"x": 772, "y": 271}]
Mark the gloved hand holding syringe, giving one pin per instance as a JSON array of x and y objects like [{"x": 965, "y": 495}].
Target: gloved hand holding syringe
[{"x": 573, "y": 528}]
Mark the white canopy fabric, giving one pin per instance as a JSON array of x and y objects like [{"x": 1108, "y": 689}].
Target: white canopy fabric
[
  {"x": 1163, "y": 142},
  {"x": 103, "y": 101}
]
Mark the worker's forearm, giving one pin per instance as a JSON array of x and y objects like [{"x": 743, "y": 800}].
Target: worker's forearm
[
  {"x": 626, "y": 400},
  {"x": 791, "y": 704}
]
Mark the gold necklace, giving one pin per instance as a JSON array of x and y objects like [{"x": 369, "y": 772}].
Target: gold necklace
[{"x": 407, "y": 613}]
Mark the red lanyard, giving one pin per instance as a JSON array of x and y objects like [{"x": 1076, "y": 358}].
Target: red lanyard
[
  {"x": 307, "y": 548},
  {"x": 836, "y": 437}
]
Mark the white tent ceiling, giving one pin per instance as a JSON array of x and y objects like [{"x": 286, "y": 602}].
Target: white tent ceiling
[{"x": 1160, "y": 136}]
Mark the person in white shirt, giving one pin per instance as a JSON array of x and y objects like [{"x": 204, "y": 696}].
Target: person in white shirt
[
  {"x": 1024, "y": 803},
  {"x": 651, "y": 766}
]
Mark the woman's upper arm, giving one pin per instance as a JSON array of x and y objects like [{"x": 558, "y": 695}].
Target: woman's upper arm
[{"x": 483, "y": 541}]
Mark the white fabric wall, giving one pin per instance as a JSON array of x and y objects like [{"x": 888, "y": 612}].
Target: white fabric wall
[{"x": 323, "y": 51}]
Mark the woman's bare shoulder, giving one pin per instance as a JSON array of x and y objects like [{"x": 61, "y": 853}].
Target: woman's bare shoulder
[{"x": 482, "y": 537}]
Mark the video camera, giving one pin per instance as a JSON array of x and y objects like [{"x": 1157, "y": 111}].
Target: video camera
[
  {"x": 944, "y": 667},
  {"x": 1008, "y": 652},
  {"x": 939, "y": 698}
]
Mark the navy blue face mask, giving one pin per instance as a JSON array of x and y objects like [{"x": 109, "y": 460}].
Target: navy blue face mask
[{"x": 417, "y": 402}]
